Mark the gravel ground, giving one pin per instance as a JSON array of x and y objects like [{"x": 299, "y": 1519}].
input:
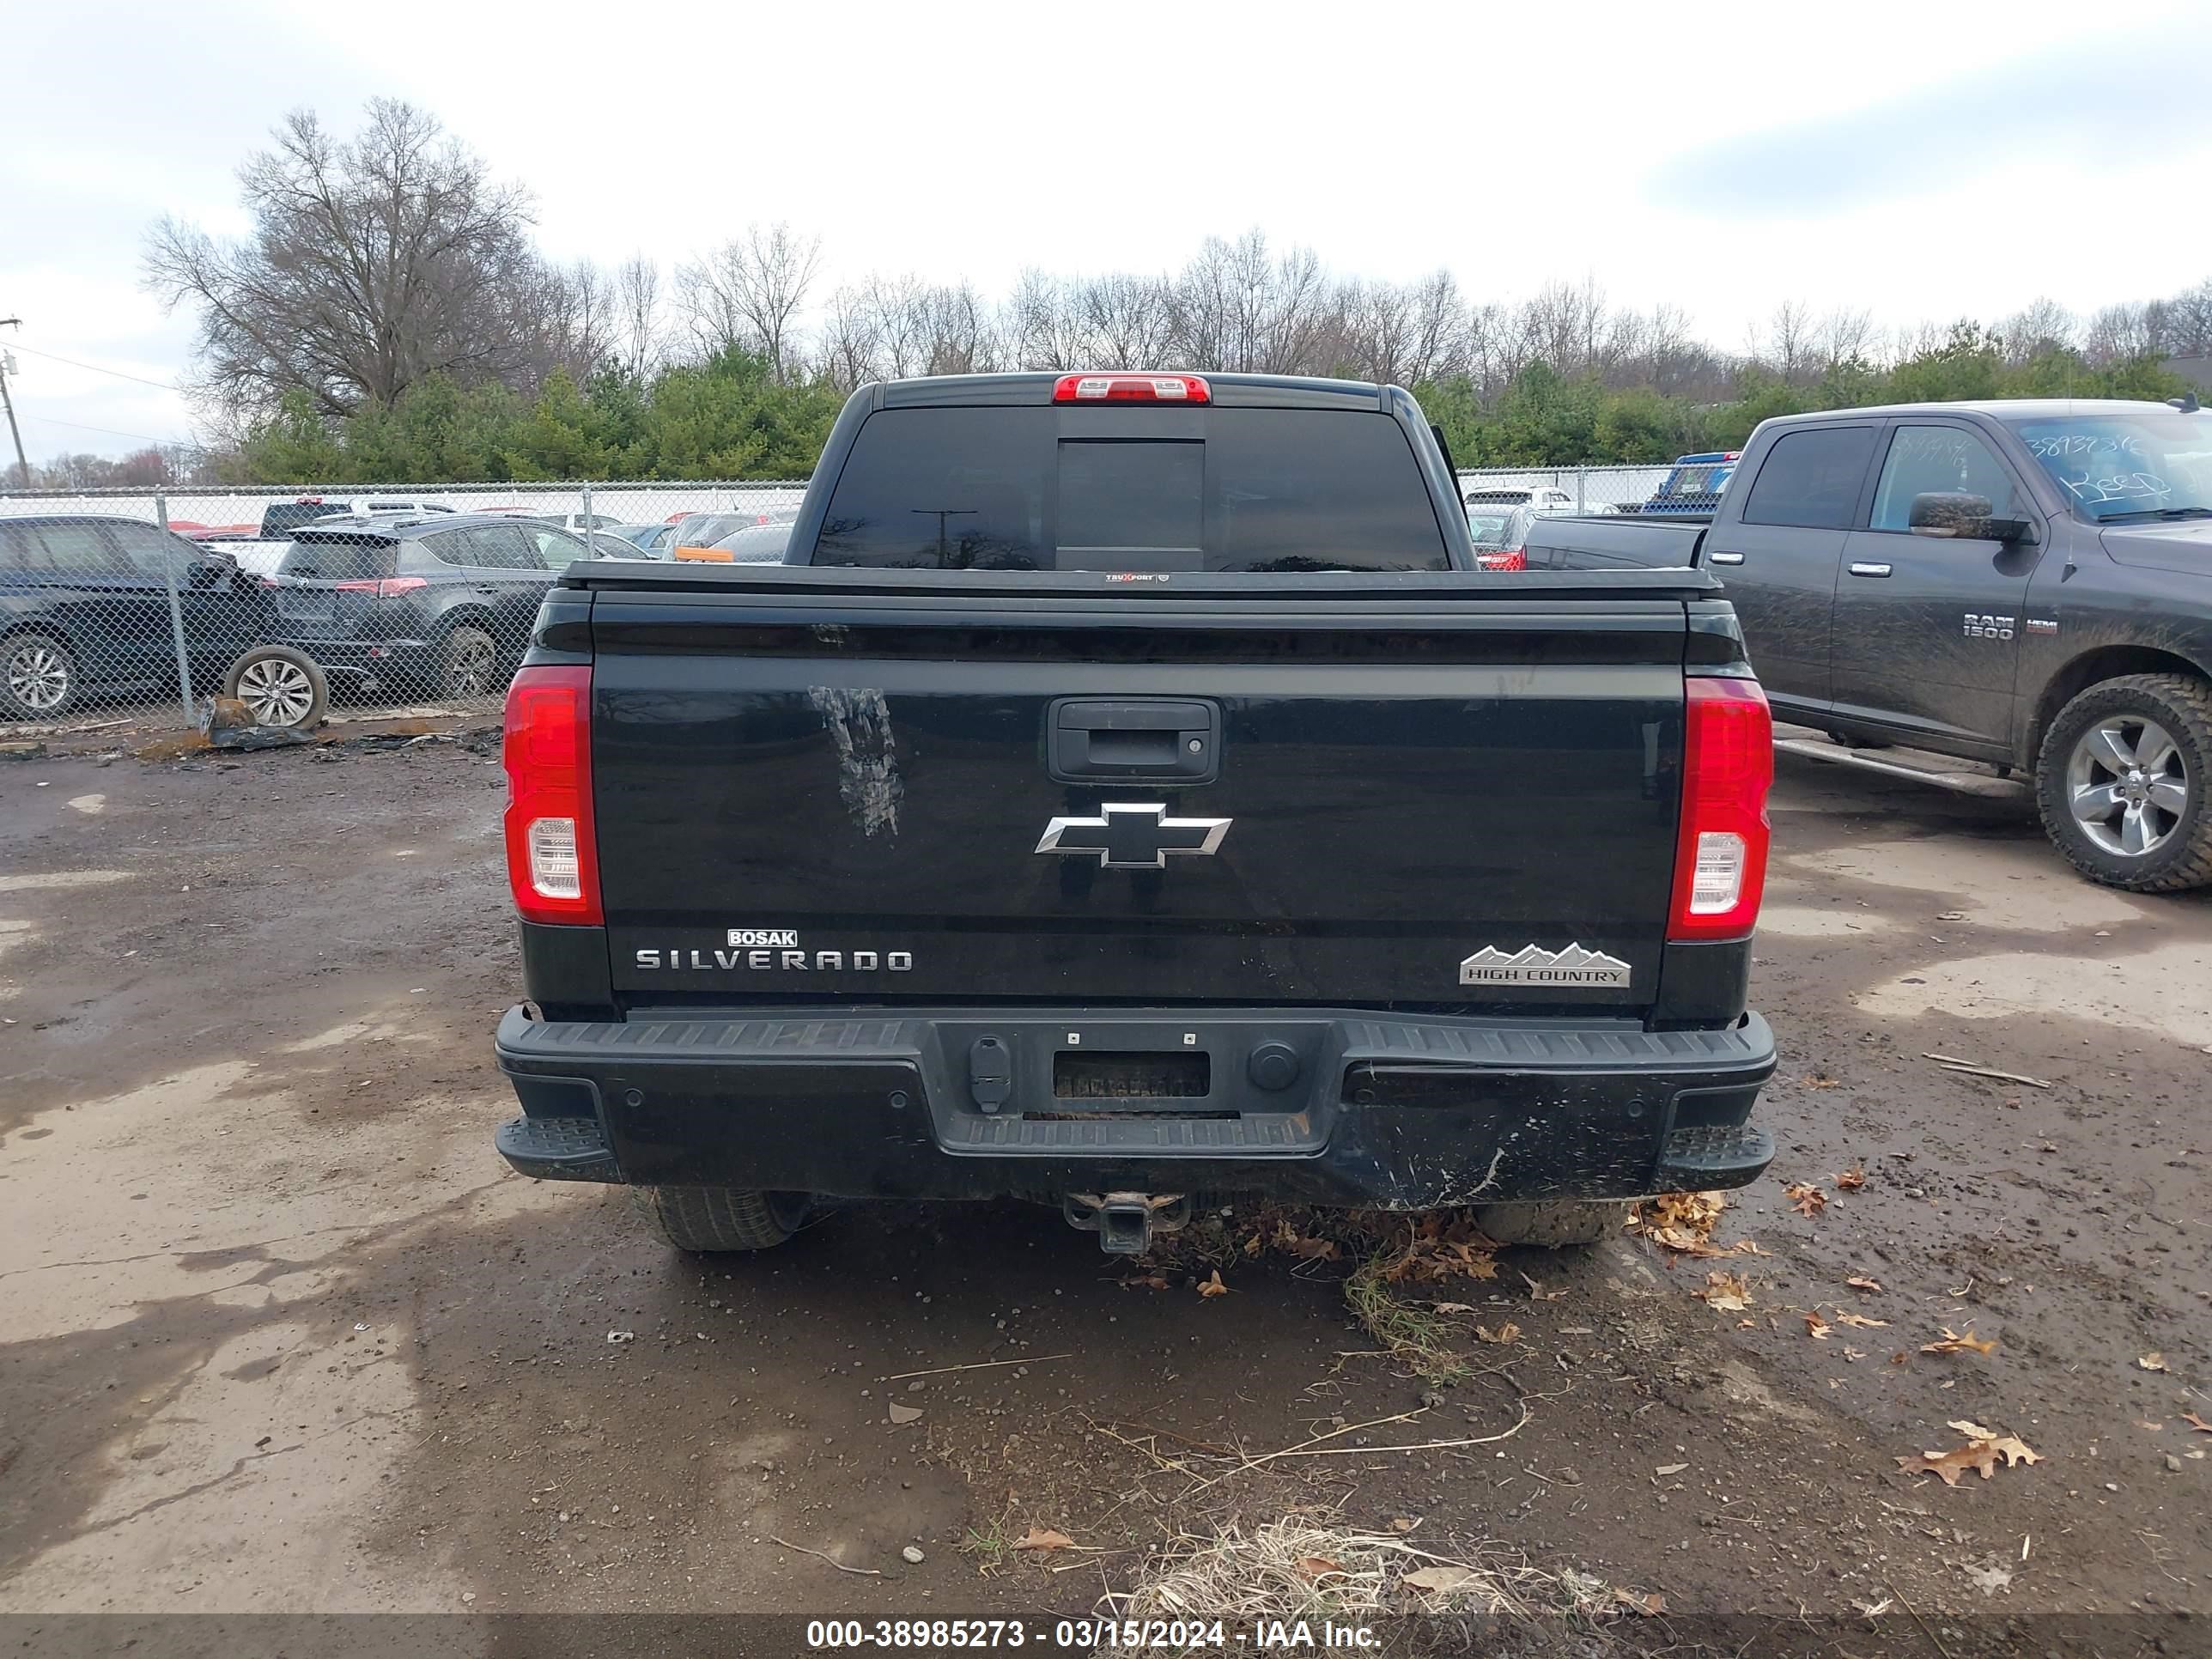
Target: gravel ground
[{"x": 281, "y": 1333}]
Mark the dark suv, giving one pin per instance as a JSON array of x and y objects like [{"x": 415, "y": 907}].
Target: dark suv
[
  {"x": 425, "y": 604},
  {"x": 84, "y": 603}
]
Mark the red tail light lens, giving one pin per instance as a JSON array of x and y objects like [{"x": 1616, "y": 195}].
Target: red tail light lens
[
  {"x": 1720, "y": 855},
  {"x": 1131, "y": 389},
  {"x": 1501, "y": 558},
  {"x": 391, "y": 587},
  {"x": 552, "y": 861}
]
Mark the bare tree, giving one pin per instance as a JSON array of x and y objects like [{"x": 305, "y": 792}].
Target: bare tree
[
  {"x": 852, "y": 340},
  {"x": 637, "y": 324},
  {"x": 2119, "y": 333},
  {"x": 372, "y": 261},
  {"x": 748, "y": 293},
  {"x": 1788, "y": 345},
  {"x": 1041, "y": 327},
  {"x": 571, "y": 321},
  {"x": 2043, "y": 324},
  {"x": 1125, "y": 321}
]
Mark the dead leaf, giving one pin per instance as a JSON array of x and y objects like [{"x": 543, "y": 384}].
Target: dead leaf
[
  {"x": 1678, "y": 1221},
  {"x": 1805, "y": 1198},
  {"x": 1537, "y": 1293},
  {"x": 1044, "y": 1538},
  {"x": 1816, "y": 1327},
  {"x": 1851, "y": 1180},
  {"x": 1403, "y": 1523},
  {"x": 1725, "y": 1291},
  {"x": 2152, "y": 1362},
  {"x": 1858, "y": 1320},
  {"x": 1981, "y": 1454},
  {"x": 1667, "y": 1469},
  {"x": 1454, "y": 1307},
  {"x": 1989, "y": 1580},
  {"x": 2196, "y": 1422},
  {"x": 1862, "y": 1283},
  {"x": 1440, "y": 1581},
  {"x": 1148, "y": 1282},
  {"x": 1954, "y": 1342},
  {"x": 1508, "y": 1332},
  {"x": 1821, "y": 1081},
  {"x": 1649, "y": 1607},
  {"x": 1317, "y": 1567},
  {"x": 905, "y": 1414},
  {"x": 1212, "y": 1285}
]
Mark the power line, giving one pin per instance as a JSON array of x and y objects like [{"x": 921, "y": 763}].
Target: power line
[
  {"x": 55, "y": 357},
  {"x": 109, "y": 431}
]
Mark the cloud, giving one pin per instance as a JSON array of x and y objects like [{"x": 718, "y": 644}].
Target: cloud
[{"x": 2093, "y": 107}]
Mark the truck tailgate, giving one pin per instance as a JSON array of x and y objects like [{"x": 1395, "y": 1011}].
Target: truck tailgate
[{"x": 804, "y": 792}]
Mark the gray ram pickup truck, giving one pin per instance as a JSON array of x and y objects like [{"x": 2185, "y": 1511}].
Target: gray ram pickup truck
[{"x": 2026, "y": 584}]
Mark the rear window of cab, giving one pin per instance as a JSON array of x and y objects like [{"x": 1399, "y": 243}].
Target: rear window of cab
[{"x": 1039, "y": 488}]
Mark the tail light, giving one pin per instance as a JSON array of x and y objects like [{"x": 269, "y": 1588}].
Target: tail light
[
  {"x": 389, "y": 587},
  {"x": 1501, "y": 558},
  {"x": 552, "y": 863},
  {"x": 1720, "y": 856},
  {"x": 1131, "y": 389}
]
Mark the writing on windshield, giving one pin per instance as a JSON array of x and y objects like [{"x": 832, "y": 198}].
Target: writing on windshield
[{"x": 2110, "y": 465}]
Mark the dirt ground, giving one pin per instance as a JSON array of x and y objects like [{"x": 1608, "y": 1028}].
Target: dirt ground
[{"x": 278, "y": 1331}]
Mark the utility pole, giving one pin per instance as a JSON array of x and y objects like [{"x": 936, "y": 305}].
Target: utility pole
[{"x": 8, "y": 403}]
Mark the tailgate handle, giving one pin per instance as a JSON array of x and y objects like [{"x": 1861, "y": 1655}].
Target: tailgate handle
[{"x": 1123, "y": 739}]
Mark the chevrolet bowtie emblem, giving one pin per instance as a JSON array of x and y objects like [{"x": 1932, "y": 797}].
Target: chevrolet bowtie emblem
[{"x": 1128, "y": 835}]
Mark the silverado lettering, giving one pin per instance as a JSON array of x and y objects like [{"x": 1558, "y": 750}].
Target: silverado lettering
[{"x": 1193, "y": 867}]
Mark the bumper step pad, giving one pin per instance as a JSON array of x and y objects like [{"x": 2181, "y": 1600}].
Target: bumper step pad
[
  {"x": 558, "y": 1148},
  {"x": 1714, "y": 1156}
]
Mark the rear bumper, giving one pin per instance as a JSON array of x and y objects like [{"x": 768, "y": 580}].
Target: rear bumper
[{"x": 1379, "y": 1110}]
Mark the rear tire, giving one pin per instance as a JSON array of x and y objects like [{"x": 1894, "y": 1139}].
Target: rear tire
[
  {"x": 279, "y": 687},
  {"x": 1554, "y": 1224},
  {"x": 468, "y": 665},
  {"x": 38, "y": 677},
  {"x": 707, "y": 1219},
  {"x": 2095, "y": 798}
]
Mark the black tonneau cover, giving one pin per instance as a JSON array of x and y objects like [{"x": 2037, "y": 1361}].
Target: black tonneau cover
[{"x": 1412, "y": 587}]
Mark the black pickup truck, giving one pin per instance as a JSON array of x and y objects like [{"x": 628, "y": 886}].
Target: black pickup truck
[
  {"x": 2027, "y": 584},
  {"x": 1133, "y": 791}
]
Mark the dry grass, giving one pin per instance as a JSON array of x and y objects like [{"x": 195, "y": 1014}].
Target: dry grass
[
  {"x": 1291, "y": 1569},
  {"x": 1415, "y": 1337}
]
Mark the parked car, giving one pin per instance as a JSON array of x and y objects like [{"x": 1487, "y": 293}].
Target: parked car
[
  {"x": 1105, "y": 820},
  {"x": 424, "y": 605},
  {"x": 280, "y": 519},
  {"x": 2027, "y": 584},
  {"x": 1693, "y": 486},
  {"x": 749, "y": 544},
  {"x": 695, "y": 533},
  {"x": 1519, "y": 495},
  {"x": 575, "y": 522},
  {"x": 84, "y": 603},
  {"x": 648, "y": 541}
]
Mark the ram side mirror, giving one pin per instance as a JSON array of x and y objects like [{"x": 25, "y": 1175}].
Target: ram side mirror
[{"x": 1954, "y": 512}]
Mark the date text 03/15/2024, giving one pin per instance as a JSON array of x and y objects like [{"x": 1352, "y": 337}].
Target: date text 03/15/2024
[{"x": 1089, "y": 1635}]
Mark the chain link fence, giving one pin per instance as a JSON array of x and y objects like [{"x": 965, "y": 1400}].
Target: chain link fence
[{"x": 133, "y": 610}]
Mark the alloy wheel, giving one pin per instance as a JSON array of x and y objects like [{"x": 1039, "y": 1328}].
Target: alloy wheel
[{"x": 2127, "y": 785}]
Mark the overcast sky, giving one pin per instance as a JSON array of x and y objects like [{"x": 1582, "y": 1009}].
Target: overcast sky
[{"x": 1923, "y": 159}]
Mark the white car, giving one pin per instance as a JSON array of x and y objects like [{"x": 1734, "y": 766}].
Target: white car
[{"x": 1537, "y": 495}]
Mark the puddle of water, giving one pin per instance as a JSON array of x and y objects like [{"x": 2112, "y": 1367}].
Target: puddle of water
[{"x": 2162, "y": 991}]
